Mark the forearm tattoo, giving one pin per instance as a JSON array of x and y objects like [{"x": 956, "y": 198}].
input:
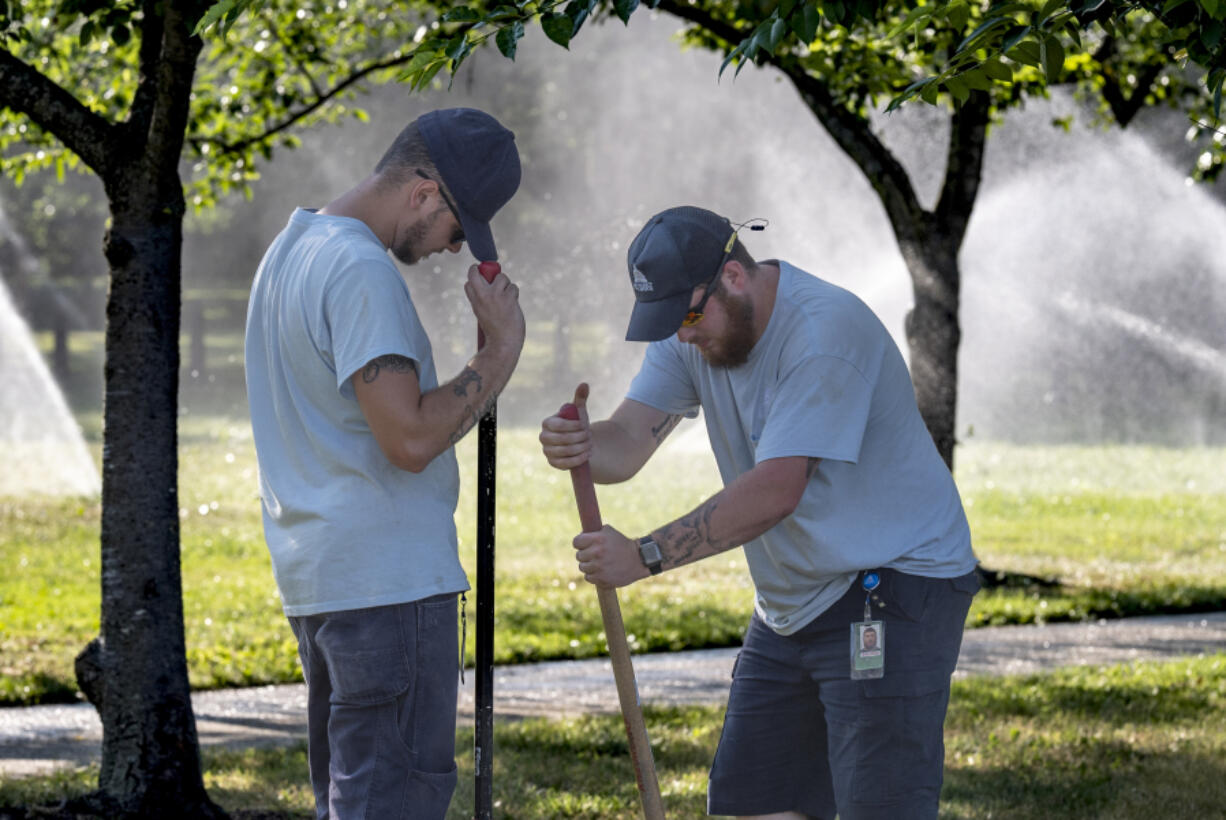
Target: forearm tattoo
[
  {"x": 462, "y": 381},
  {"x": 682, "y": 539},
  {"x": 470, "y": 417},
  {"x": 665, "y": 427},
  {"x": 391, "y": 363}
]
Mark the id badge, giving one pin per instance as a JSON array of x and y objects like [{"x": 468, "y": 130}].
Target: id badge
[{"x": 867, "y": 650}]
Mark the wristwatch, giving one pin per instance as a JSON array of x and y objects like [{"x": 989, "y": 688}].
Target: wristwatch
[{"x": 649, "y": 551}]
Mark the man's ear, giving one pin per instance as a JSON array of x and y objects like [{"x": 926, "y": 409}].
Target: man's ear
[
  {"x": 735, "y": 276},
  {"x": 418, "y": 193}
]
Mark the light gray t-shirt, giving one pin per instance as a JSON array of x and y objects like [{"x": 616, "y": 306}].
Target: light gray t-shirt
[
  {"x": 346, "y": 528},
  {"x": 825, "y": 381}
]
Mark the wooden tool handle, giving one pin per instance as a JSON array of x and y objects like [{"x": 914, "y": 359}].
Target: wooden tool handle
[{"x": 619, "y": 650}]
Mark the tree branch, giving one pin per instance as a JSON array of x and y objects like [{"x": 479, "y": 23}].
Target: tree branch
[
  {"x": 851, "y": 131},
  {"x": 306, "y": 110},
  {"x": 1124, "y": 109},
  {"x": 963, "y": 165},
  {"x": 27, "y": 91}
]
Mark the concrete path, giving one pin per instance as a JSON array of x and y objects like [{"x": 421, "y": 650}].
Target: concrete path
[{"x": 41, "y": 739}]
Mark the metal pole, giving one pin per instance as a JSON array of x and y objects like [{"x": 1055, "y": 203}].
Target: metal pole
[{"x": 483, "y": 718}]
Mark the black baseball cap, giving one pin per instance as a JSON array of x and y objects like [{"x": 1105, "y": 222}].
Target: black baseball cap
[
  {"x": 477, "y": 159},
  {"x": 676, "y": 251}
]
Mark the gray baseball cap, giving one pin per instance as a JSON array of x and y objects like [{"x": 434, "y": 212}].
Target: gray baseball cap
[
  {"x": 676, "y": 251},
  {"x": 477, "y": 159}
]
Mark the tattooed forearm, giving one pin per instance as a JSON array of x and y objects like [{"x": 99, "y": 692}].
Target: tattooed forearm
[
  {"x": 682, "y": 539},
  {"x": 470, "y": 417},
  {"x": 665, "y": 427},
  {"x": 391, "y": 363},
  {"x": 462, "y": 381}
]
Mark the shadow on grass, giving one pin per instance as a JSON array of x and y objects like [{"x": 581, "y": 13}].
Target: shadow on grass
[{"x": 1100, "y": 780}]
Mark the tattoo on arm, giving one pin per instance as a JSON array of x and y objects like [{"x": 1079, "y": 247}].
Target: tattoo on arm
[
  {"x": 470, "y": 417},
  {"x": 660, "y": 431},
  {"x": 683, "y": 537},
  {"x": 391, "y": 363},
  {"x": 462, "y": 381}
]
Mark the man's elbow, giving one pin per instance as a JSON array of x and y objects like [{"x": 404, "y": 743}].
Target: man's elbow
[{"x": 408, "y": 456}]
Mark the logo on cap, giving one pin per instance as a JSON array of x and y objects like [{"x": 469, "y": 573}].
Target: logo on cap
[{"x": 640, "y": 281}]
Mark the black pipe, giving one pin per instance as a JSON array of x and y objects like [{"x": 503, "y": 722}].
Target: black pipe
[{"x": 483, "y": 735}]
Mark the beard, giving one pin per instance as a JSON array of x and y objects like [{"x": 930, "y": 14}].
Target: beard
[
  {"x": 733, "y": 349},
  {"x": 409, "y": 249}
]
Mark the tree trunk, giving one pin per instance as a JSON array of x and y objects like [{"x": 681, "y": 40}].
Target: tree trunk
[
  {"x": 933, "y": 336},
  {"x": 150, "y": 756},
  {"x": 136, "y": 671}
]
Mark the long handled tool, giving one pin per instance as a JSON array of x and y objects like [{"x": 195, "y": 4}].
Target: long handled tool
[
  {"x": 483, "y": 718},
  {"x": 619, "y": 650}
]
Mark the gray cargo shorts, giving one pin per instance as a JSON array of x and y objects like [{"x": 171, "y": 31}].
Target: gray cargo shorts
[
  {"x": 801, "y": 735},
  {"x": 381, "y": 708}
]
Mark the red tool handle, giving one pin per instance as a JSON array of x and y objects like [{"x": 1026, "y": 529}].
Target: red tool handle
[
  {"x": 619, "y": 649},
  {"x": 489, "y": 270}
]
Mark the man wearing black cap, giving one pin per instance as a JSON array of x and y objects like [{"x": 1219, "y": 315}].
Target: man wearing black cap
[
  {"x": 848, "y": 517},
  {"x": 358, "y": 475}
]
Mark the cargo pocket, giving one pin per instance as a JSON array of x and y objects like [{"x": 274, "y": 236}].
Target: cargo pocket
[{"x": 366, "y": 654}]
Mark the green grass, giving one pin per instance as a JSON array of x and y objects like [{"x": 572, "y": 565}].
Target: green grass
[
  {"x": 1117, "y": 530},
  {"x": 1078, "y": 743},
  {"x": 1156, "y": 543}
]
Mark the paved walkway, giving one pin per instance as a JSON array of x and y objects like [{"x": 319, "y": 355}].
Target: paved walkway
[{"x": 41, "y": 739}]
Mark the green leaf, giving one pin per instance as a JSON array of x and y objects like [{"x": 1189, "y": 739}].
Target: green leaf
[
  {"x": 508, "y": 38},
  {"x": 1049, "y": 8},
  {"x": 997, "y": 70},
  {"x": 625, "y": 8},
  {"x": 1211, "y": 35},
  {"x": 222, "y": 13},
  {"x": 577, "y": 11},
  {"x": 1051, "y": 53},
  {"x": 777, "y": 31},
  {"x": 958, "y": 14},
  {"x": 976, "y": 79},
  {"x": 1013, "y": 36},
  {"x": 1171, "y": 5},
  {"x": 461, "y": 14},
  {"x": 913, "y": 16},
  {"x": 981, "y": 33},
  {"x": 1027, "y": 52},
  {"x": 558, "y": 27},
  {"x": 812, "y": 18},
  {"x": 929, "y": 94},
  {"x": 457, "y": 48},
  {"x": 121, "y": 34},
  {"x": 958, "y": 88},
  {"x": 503, "y": 13}
]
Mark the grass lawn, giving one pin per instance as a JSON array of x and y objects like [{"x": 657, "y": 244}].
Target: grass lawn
[
  {"x": 1078, "y": 743},
  {"x": 1154, "y": 541}
]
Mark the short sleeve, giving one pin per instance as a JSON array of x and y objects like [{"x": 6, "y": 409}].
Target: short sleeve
[
  {"x": 664, "y": 381},
  {"x": 369, "y": 314},
  {"x": 820, "y": 409}
]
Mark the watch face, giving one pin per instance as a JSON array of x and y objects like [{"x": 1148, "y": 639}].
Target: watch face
[{"x": 650, "y": 552}]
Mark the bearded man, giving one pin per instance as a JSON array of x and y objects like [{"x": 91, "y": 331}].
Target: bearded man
[
  {"x": 847, "y": 515},
  {"x": 358, "y": 476}
]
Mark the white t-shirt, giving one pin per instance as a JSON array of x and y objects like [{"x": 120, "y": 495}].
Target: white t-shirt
[
  {"x": 825, "y": 381},
  {"x": 346, "y": 528}
]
